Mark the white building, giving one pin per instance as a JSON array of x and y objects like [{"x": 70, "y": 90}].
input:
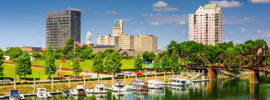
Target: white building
[
  {"x": 89, "y": 38},
  {"x": 205, "y": 26}
]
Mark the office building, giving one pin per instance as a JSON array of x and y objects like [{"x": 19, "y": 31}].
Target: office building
[
  {"x": 126, "y": 42},
  {"x": 61, "y": 26},
  {"x": 146, "y": 43},
  {"x": 205, "y": 26}
]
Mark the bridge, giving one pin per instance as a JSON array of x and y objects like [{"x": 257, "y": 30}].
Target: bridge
[{"x": 254, "y": 60}]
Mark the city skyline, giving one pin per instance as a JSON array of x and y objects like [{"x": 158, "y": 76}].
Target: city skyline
[{"x": 165, "y": 19}]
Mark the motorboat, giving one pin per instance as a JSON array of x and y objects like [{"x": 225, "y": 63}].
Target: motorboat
[
  {"x": 66, "y": 93},
  {"x": 180, "y": 82},
  {"x": 139, "y": 85},
  {"x": 128, "y": 87},
  {"x": 153, "y": 84},
  {"x": 43, "y": 94},
  {"x": 15, "y": 95},
  {"x": 99, "y": 89},
  {"x": 79, "y": 91},
  {"x": 118, "y": 87}
]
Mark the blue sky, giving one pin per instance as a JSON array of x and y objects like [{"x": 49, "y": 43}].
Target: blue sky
[{"x": 22, "y": 22}]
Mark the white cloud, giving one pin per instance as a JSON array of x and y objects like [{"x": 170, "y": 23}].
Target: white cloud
[
  {"x": 155, "y": 23},
  {"x": 182, "y": 22},
  {"x": 247, "y": 18},
  {"x": 160, "y": 4},
  {"x": 111, "y": 12},
  {"x": 260, "y": 1},
  {"x": 264, "y": 33},
  {"x": 243, "y": 29},
  {"x": 227, "y": 4},
  {"x": 163, "y": 6},
  {"x": 147, "y": 15}
]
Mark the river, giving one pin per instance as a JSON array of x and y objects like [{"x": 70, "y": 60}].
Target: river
[{"x": 229, "y": 89}]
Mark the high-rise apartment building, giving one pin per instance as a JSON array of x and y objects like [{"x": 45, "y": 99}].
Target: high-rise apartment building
[
  {"x": 205, "y": 26},
  {"x": 126, "y": 41},
  {"x": 145, "y": 43},
  {"x": 61, "y": 26},
  {"x": 107, "y": 40},
  {"x": 118, "y": 28}
]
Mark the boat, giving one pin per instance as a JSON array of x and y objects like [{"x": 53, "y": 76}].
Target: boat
[
  {"x": 180, "y": 82},
  {"x": 128, "y": 87},
  {"x": 66, "y": 93},
  {"x": 43, "y": 94},
  {"x": 15, "y": 95},
  {"x": 139, "y": 85},
  {"x": 99, "y": 89},
  {"x": 78, "y": 91},
  {"x": 153, "y": 84},
  {"x": 118, "y": 87}
]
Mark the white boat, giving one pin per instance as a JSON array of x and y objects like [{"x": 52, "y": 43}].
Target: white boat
[
  {"x": 15, "y": 95},
  {"x": 180, "y": 82},
  {"x": 153, "y": 84},
  {"x": 42, "y": 93},
  {"x": 128, "y": 87},
  {"x": 118, "y": 87},
  {"x": 139, "y": 85},
  {"x": 66, "y": 93},
  {"x": 79, "y": 91},
  {"x": 99, "y": 89}
]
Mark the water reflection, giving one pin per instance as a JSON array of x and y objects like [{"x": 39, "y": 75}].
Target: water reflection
[{"x": 230, "y": 89}]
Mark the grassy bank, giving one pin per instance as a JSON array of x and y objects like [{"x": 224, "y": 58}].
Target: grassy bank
[
  {"x": 9, "y": 72},
  {"x": 87, "y": 64}
]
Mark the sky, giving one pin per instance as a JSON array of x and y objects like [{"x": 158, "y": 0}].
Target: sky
[{"x": 22, "y": 22}]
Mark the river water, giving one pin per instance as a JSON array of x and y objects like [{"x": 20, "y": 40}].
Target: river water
[{"x": 229, "y": 89}]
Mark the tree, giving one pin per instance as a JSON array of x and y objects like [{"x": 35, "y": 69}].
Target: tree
[
  {"x": 165, "y": 63},
  {"x": 149, "y": 56},
  {"x": 58, "y": 54},
  {"x": 1, "y": 62},
  {"x": 50, "y": 67},
  {"x": 43, "y": 54},
  {"x": 86, "y": 53},
  {"x": 14, "y": 53},
  {"x": 76, "y": 69},
  {"x": 23, "y": 65},
  {"x": 116, "y": 62},
  {"x": 156, "y": 65},
  {"x": 98, "y": 64},
  {"x": 174, "y": 62},
  {"x": 36, "y": 55},
  {"x": 138, "y": 63},
  {"x": 172, "y": 46},
  {"x": 68, "y": 48}
]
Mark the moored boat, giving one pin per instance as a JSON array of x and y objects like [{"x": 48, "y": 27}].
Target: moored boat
[
  {"x": 180, "y": 82},
  {"x": 139, "y": 85},
  {"x": 79, "y": 91},
  {"x": 43, "y": 94},
  {"x": 153, "y": 84}
]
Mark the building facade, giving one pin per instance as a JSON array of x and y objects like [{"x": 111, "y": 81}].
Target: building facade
[
  {"x": 118, "y": 28},
  {"x": 29, "y": 48},
  {"x": 126, "y": 41},
  {"x": 89, "y": 38},
  {"x": 107, "y": 40},
  {"x": 146, "y": 43},
  {"x": 61, "y": 26},
  {"x": 205, "y": 26}
]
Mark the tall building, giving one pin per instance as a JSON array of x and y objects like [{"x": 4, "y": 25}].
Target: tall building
[
  {"x": 89, "y": 38},
  {"x": 107, "y": 40},
  {"x": 61, "y": 26},
  {"x": 146, "y": 43},
  {"x": 205, "y": 26},
  {"x": 126, "y": 42},
  {"x": 118, "y": 28}
]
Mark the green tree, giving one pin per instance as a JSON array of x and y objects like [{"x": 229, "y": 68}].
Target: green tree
[
  {"x": 36, "y": 55},
  {"x": 23, "y": 65},
  {"x": 14, "y": 53},
  {"x": 174, "y": 62},
  {"x": 149, "y": 56},
  {"x": 98, "y": 64},
  {"x": 116, "y": 62},
  {"x": 86, "y": 53},
  {"x": 58, "y": 54},
  {"x": 156, "y": 65},
  {"x": 165, "y": 63},
  {"x": 138, "y": 63},
  {"x": 43, "y": 54},
  {"x": 50, "y": 67},
  {"x": 68, "y": 48},
  {"x": 1, "y": 62},
  {"x": 76, "y": 69},
  {"x": 172, "y": 46}
]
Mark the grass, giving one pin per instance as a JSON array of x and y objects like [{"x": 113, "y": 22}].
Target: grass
[
  {"x": 9, "y": 72},
  {"x": 87, "y": 64}
]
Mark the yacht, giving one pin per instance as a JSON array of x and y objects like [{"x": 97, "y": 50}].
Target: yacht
[
  {"x": 139, "y": 85},
  {"x": 79, "y": 91},
  {"x": 180, "y": 82},
  {"x": 42, "y": 93},
  {"x": 15, "y": 95},
  {"x": 153, "y": 84},
  {"x": 66, "y": 93},
  {"x": 99, "y": 89},
  {"x": 118, "y": 87}
]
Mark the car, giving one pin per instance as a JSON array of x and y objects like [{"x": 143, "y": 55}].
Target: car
[
  {"x": 127, "y": 73},
  {"x": 139, "y": 74},
  {"x": 120, "y": 75}
]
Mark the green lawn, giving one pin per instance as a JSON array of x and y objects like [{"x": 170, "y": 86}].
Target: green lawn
[
  {"x": 9, "y": 71},
  {"x": 87, "y": 64}
]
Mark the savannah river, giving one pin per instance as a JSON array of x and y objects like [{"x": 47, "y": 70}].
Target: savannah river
[{"x": 229, "y": 89}]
